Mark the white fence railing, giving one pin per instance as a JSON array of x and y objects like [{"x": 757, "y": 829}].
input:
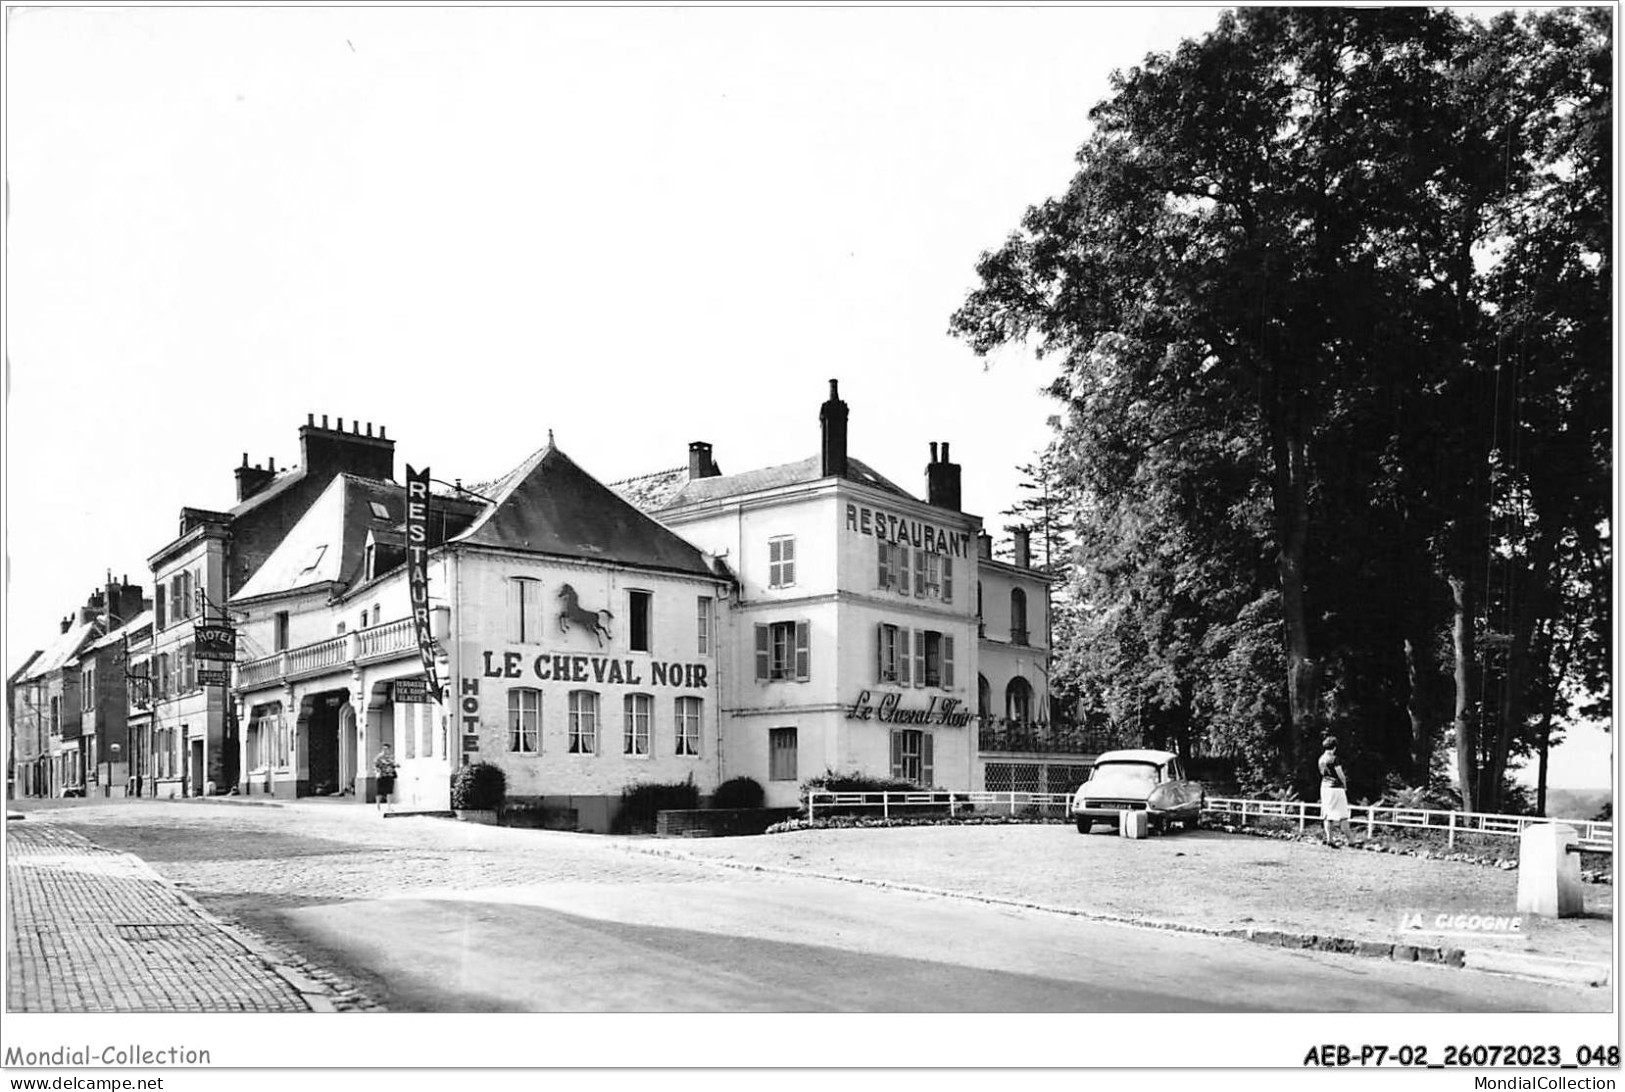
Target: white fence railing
[{"x": 1593, "y": 835}]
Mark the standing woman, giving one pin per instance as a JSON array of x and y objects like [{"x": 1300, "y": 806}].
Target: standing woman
[
  {"x": 1334, "y": 796},
  {"x": 384, "y": 767}
]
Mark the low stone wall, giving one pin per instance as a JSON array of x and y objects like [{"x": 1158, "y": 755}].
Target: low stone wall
[{"x": 719, "y": 822}]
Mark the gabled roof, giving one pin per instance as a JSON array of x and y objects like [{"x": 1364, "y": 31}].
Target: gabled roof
[
  {"x": 129, "y": 628},
  {"x": 60, "y": 652},
  {"x": 549, "y": 505},
  {"x": 22, "y": 671},
  {"x": 724, "y": 486},
  {"x": 325, "y": 546}
]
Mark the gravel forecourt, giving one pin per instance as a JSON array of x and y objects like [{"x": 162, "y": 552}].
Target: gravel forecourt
[{"x": 1209, "y": 879}]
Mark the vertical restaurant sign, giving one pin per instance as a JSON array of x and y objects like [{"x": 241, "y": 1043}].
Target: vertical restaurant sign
[{"x": 417, "y": 567}]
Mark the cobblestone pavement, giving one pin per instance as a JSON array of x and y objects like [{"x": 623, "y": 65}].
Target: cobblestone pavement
[{"x": 92, "y": 930}]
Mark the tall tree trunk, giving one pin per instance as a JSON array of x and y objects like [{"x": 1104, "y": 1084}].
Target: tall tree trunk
[
  {"x": 1526, "y": 615},
  {"x": 1461, "y": 603},
  {"x": 1419, "y": 670},
  {"x": 1292, "y": 534}
]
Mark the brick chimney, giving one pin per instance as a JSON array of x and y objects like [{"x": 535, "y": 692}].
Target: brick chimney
[
  {"x": 942, "y": 480},
  {"x": 328, "y": 451},
  {"x": 251, "y": 479},
  {"x": 984, "y": 545},
  {"x": 832, "y": 417},
  {"x": 125, "y": 600},
  {"x": 1021, "y": 537},
  {"x": 699, "y": 461},
  {"x": 67, "y": 623}
]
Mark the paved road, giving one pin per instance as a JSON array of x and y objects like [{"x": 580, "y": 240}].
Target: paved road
[{"x": 429, "y": 915}]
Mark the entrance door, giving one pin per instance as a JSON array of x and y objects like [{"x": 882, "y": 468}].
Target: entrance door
[{"x": 196, "y": 770}]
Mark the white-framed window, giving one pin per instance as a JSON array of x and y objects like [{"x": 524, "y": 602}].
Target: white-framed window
[
  {"x": 87, "y": 688},
  {"x": 639, "y": 721},
  {"x": 781, "y": 561},
  {"x": 688, "y": 726},
  {"x": 934, "y": 658},
  {"x": 583, "y": 722},
  {"x": 783, "y": 651},
  {"x": 911, "y": 756},
  {"x": 702, "y": 624},
  {"x": 895, "y": 655},
  {"x": 640, "y": 610},
  {"x": 781, "y": 754},
  {"x": 524, "y": 610},
  {"x": 524, "y": 721}
]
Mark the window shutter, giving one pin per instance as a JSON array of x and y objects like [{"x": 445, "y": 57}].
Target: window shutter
[
  {"x": 762, "y": 653},
  {"x": 882, "y": 555},
  {"x": 897, "y": 754},
  {"x": 903, "y": 655},
  {"x": 158, "y": 606},
  {"x": 900, "y": 570},
  {"x": 919, "y": 658},
  {"x": 787, "y": 557},
  {"x": 928, "y": 775},
  {"x": 880, "y": 653},
  {"x": 516, "y": 606},
  {"x": 947, "y": 662},
  {"x": 947, "y": 579},
  {"x": 919, "y": 573},
  {"x": 803, "y": 651}
]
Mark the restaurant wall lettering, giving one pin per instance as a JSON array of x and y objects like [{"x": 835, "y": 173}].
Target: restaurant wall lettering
[{"x": 889, "y": 527}]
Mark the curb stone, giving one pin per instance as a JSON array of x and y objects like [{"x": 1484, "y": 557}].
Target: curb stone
[{"x": 1489, "y": 961}]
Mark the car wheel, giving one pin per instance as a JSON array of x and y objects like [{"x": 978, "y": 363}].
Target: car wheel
[{"x": 1083, "y": 826}]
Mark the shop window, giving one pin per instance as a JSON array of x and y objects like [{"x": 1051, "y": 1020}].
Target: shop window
[
  {"x": 783, "y": 651},
  {"x": 781, "y": 754},
  {"x": 583, "y": 722},
  {"x": 911, "y": 757},
  {"x": 639, "y": 715},
  {"x": 702, "y": 624},
  {"x": 524, "y": 610},
  {"x": 781, "y": 561},
  {"x": 524, "y": 721},
  {"x": 641, "y": 608},
  {"x": 688, "y": 726}
]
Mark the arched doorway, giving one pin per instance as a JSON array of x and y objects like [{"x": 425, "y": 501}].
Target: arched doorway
[
  {"x": 348, "y": 744},
  {"x": 1018, "y": 701}
]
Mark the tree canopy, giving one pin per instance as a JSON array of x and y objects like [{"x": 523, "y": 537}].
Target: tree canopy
[{"x": 1329, "y": 300}]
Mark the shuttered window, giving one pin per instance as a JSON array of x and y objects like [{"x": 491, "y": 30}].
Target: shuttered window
[
  {"x": 781, "y": 561},
  {"x": 784, "y": 651},
  {"x": 912, "y": 758},
  {"x": 524, "y": 610},
  {"x": 781, "y": 754}
]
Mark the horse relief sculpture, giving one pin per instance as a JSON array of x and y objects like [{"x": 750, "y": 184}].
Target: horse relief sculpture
[{"x": 592, "y": 620}]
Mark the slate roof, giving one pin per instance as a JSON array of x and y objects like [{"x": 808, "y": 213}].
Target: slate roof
[
  {"x": 60, "y": 652},
  {"x": 549, "y": 505},
  {"x": 701, "y": 490},
  {"x": 145, "y": 618},
  {"x": 651, "y": 492}
]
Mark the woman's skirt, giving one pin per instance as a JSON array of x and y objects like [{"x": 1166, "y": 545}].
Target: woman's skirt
[{"x": 1334, "y": 803}]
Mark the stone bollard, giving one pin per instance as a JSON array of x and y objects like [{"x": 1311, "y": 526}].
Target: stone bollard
[
  {"x": 1133, "y": 824},
  {"x": 1549, "y": 872}
]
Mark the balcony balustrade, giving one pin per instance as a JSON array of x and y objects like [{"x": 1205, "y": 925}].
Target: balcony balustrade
[
  {"x": 1003, "y": 734},
  {"x": 383, "y": 642}
]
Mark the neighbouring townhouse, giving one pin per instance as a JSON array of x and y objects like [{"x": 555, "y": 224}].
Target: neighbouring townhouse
[
  {"x": 22, "y": 731},
  {"x": 104, "y": 693},
  {"x": 195, "y": 736}
]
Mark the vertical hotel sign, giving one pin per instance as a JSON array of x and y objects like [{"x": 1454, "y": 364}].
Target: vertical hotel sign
[{"x": 417, "y": 567}]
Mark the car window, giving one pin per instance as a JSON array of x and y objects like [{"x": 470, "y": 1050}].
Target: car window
[{"x": 1126, "y": 774}]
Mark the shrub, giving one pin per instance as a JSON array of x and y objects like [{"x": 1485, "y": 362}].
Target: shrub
[
  {"x": 479, "y": 786},
  {"x": 643, "y": 800},
  {"x": 739, "y": 792},
  {"x": 830, "y": 781}
]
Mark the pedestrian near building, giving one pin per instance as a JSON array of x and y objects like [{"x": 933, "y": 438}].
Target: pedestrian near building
[
  {"x": 384, "y": 766},
  {"x": 1334, "y": 797}
]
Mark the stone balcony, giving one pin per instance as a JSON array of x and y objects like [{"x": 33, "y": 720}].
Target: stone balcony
[{"x": 391, "y": 640}]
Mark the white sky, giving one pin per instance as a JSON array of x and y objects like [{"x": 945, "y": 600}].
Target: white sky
[{"x": 634, "y": 227}]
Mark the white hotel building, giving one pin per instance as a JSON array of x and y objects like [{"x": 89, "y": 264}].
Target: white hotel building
[{"x": 771, "y": 624}]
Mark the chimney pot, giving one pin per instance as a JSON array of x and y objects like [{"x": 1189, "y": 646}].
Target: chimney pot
[
  {"x": 324, "y": 420},
  {"x": 381, "y": 434},
  {"x": 933, "y": 451},
  {"x": 369, "y": 428},
  {"x": 355, "y": 428},
  {"x": 272, "y": 464},
  {"x": 341, "y": 425},
  {"x": 245, "y": 458},
  {"x": 310, "y": 419},
  {"x": 832, "y": 418},
  {"x": 1022, "y": 541},
  {"x": 945, "y": 451},
  {"x": 700, "y": 464}
]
